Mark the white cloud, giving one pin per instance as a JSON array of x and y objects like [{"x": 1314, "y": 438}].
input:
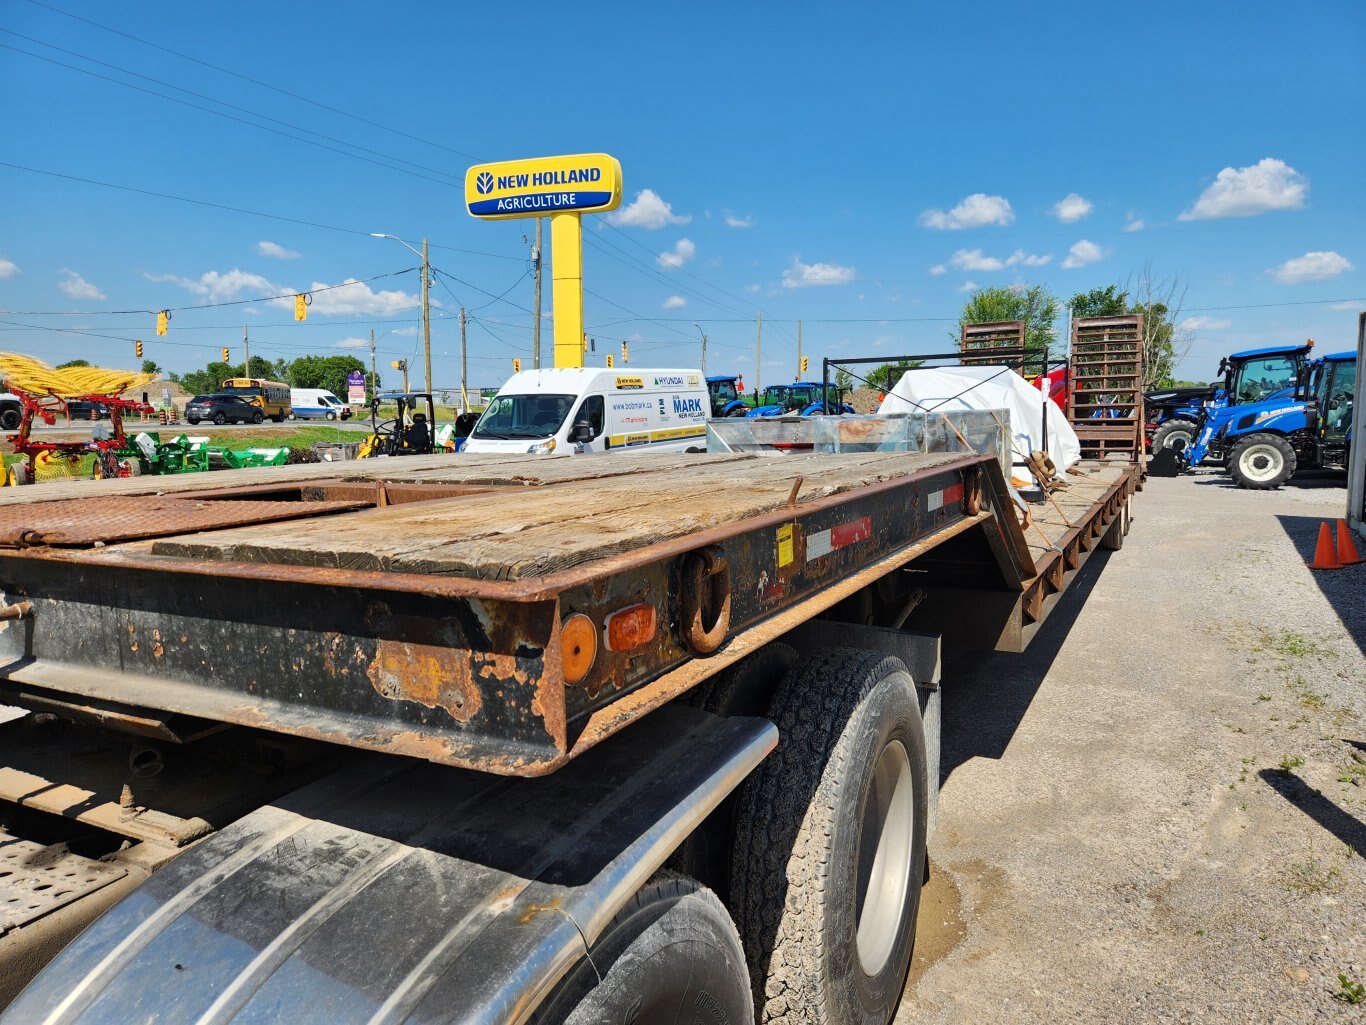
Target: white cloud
[
  {"x": 806, "y": 275},
  {"x": 1134, "y": 223},
  {"x": 1315, "y": 266},
  {"x": 938, "y": 269},
  {"x": 1072, "y": 207},
  {"x": 276, "y": 251},
  {"x": 355, "y": 297},
  {"x": 681, "y": 253},
  {"x": 754, "y": 289},
  {"x": 76, "y": 287},
  {"x": 976, "y": 211},
  {"x": 1347, "y": 307},
  {"x": 973, "y": 259},
  {"x": 968, "y": 286},
  {"x": 675, "y": 302},
  {"x": 735, "y": 221},
  {"x": 1267, "y": 185},
  {"x": 1202, "y": 323},
  {"x": 410, "y": 332},
  {"x": 8, "y": 268},
  {"x": 353, "y": 343},
  {"x": 1081, "y": 254},
  {"x": 647, "y": 210}
]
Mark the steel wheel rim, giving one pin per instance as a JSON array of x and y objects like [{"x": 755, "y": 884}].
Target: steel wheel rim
[
  {"x": 1260, "y": 463},
  {"x": 1178, "y": 440},
  {"x": 886, "y": 847}
]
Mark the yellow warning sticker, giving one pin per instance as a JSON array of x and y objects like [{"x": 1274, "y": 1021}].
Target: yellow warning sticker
[{"x": 784, "y": 545}]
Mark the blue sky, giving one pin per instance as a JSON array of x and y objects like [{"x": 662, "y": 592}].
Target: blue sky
[{"x": 855, "y": 168}]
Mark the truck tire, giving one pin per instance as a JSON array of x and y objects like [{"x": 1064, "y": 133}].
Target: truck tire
[
  {"x": 1177, "y": 435},
  {"x": 672, "y": 953},
  {"x": 10, "y": 418},
  {"x": 1261, "y": 462},
  {"x": 830, "y": 843}
]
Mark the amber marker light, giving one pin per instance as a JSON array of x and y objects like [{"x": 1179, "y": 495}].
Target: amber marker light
[
  {"x": 579, "y": 642},
  {"x": 630, "y": 627}
]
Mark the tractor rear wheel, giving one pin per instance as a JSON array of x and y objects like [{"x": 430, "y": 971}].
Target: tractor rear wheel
[
  {"x": 1261, "y": 462},
  {"x": 1177, "y": 435}
]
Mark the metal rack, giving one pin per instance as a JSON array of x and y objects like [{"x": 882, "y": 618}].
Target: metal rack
[{"x": 1106, "y": 395}]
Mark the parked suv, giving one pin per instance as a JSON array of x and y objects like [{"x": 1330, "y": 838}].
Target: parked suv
[{"x": 222, "y": 409}]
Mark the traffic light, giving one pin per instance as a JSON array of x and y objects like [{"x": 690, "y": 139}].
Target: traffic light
[
  {"x": 137, "y": 349},
  {"x": 397, "y": 364},
  {"x": 516, "y": 365},
  {"x": 803, "y": 364},
  {"x": 225, "y": 354},
  {"x": 609, "y": 361},
  {"x": 162, "y": 318},
  {"x": 300, "y": 307},
  {"x": 624, "y": 358}
]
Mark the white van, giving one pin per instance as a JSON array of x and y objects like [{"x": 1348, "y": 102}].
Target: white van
[
  {"x": 317, "y": 403},
  {"x": 589, "y": 409}
]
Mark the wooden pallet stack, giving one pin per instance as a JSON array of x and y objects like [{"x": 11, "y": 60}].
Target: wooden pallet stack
[
  {"x": 1000, "y": 344},
  {"x": 1106, "y": 397}
]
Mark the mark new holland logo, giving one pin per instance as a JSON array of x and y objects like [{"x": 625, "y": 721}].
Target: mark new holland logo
[{"x": 484, "y": 184}]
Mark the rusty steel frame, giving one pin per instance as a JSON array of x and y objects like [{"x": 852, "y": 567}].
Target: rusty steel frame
[{"x": 457, "y": 671}]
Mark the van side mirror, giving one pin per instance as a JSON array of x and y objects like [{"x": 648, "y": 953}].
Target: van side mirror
[{"x": 581, "y": 432}]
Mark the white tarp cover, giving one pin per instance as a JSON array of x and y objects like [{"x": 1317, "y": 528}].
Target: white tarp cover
[{"x": 948, "y": 389}]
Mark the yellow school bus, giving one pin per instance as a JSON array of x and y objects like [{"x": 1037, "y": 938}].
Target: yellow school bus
[{"x": 271, "y": 396}]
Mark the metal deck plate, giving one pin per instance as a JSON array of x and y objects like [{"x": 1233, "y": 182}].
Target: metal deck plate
[
  {"x": 106, "y": 519},
  {"x": 35, "y": 879}
]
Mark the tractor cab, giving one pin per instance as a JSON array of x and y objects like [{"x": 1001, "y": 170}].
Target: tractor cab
[
  {"x": 1331, "y": 393},
  {"x": 800, "y": 397},
  {"x": 410, "y": 432},
  {"x": 725, "y": 396}
]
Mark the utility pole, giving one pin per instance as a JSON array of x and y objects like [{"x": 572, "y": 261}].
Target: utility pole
[
  {"x": 246, "y": 353},
  {"x": 464, "y": 398},
  {"x": 704, "y": 348},
  {"x": 374, "y": 389},
  {"x": 536, "y": 307},
  {"x": 758, "y": 345},
  {"x": 799, "y": 350},
  {"x": 426, "y": 318}
]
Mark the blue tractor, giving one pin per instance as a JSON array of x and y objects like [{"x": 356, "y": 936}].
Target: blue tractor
[
  {"x": 1251, "y": 376},
  {"x": 725, "y": 396},
  {"x": 1307, "y": 428},
  {"x": 800, "y": 397}
]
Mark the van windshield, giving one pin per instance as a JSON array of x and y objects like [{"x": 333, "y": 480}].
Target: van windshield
[{"x": 523, "y": 416}]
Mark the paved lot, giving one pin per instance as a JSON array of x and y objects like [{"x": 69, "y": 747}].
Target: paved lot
[{"x": 1156, "y": 813}]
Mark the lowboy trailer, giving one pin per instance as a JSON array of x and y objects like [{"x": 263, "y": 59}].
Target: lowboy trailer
[{"x": 496, "y": 739}]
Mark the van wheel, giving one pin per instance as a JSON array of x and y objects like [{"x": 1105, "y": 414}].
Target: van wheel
[
  {"x": 10, "y": 419},
  {"x": 672, "y": 949},
  {"x": 331, "y": 416},
  {"x": 829, "y": 850}
]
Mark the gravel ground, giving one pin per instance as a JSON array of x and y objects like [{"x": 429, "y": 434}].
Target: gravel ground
[{"x": 1156, "y": 813}]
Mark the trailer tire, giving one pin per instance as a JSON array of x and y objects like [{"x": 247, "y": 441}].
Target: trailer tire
[
  {"x": 671, "y": 953},
  {"x": 1261, "y": 462},
  {"x": 1177, "y": 435},
  {"x": 830, "y": 843}
]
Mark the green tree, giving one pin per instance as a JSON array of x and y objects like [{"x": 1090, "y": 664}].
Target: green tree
[
  {"x": 328, "y": 372},
  {"x": 1109, "y": 301},
  {"x": 1033, "y": 304},
  {"x": 149, "y": 366},
  {"x": 885, "y": 377},
  {"x": 73, "y": 363}
]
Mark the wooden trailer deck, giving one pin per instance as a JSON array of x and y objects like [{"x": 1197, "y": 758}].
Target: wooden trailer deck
[{"x": 419, "y": 606}]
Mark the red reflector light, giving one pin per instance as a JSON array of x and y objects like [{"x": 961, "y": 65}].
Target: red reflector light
[{"x": 630, "y": 627}]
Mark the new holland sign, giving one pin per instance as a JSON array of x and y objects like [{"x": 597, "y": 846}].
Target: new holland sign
[{"x": 582, "y": 183}]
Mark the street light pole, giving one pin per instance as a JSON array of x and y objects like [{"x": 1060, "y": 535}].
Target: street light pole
[
  {"x": 426, "y": 306},
  {"x": 704, "y": 348}
]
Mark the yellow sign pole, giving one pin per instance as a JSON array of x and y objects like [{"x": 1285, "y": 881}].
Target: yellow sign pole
[{"x": 566, "y": 276}]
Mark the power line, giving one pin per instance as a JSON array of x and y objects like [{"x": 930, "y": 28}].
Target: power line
[
  {"x": 455, "y": 182},
  {"x": 253, "y": 81},
  {"x": 203, "y": 306},
  {"x": 233, "y": 209},
  {"x": 222, "y": 114}
]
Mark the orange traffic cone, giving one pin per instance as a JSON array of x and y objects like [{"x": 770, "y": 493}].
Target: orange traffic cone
[
  {"x": 1324, "y": 555},
  {"x": 1347, "y": 551}
]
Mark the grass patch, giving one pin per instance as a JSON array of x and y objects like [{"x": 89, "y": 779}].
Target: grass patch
[
  {"x": 1312, "y": 876},
  {"x": 1349, "y": 990}
]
